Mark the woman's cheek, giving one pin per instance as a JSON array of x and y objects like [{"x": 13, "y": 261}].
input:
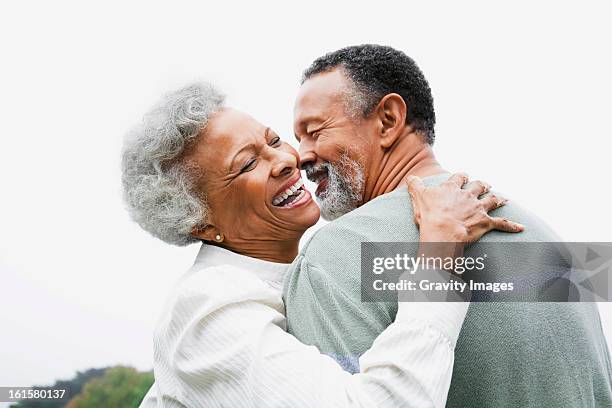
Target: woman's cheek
[{"x": 253, "y": 191}]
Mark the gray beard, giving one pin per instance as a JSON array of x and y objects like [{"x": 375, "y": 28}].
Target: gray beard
[{"x": 345, "y": 184}]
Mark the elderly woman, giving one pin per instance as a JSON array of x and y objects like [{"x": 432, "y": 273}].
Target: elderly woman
[{"x": 196, "y": 171}]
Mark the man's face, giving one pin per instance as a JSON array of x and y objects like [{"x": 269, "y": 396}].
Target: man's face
[{"x": 334, "y": 144}]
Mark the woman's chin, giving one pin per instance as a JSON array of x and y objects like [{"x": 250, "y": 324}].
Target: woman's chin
[{"x": 305, "y": 214}]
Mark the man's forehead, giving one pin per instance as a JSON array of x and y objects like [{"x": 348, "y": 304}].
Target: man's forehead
[{"x": 320, "y": 95}]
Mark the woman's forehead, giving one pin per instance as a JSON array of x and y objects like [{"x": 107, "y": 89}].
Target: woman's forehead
[
  {"x": 234, "y": 124},
  {"x": 227, "y": 132}
]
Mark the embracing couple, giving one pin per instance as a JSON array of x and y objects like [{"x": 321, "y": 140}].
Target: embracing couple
[{"x": 257, "y": 322}]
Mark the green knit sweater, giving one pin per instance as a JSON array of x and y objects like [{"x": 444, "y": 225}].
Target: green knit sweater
[{"x": 508, "y": 354}]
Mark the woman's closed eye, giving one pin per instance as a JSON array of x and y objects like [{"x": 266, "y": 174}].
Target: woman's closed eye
[
  {"x": 249, "y": 165},
  {"x": 252, "y": 163},
  {"x": 276, "y": 141}
]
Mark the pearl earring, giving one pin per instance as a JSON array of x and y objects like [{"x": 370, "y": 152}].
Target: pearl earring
[{"x": 218, "y": 237}]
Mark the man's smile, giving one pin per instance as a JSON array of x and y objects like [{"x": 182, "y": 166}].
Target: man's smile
[
  {"x": 320, "y": 176},
  {"x": 322, "y": 186}
]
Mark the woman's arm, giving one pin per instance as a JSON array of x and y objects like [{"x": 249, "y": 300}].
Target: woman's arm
[
  {"x": 238, "y": 355},
  {"x": 454, "y": 213}
]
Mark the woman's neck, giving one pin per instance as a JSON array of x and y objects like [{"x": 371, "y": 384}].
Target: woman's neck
[{"x": 270, "y": 250}]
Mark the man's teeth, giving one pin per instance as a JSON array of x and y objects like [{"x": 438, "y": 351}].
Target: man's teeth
[{"x": 288, "y": 192}]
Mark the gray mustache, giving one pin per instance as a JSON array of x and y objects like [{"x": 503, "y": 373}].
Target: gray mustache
[{"x": 315, "y": 172}]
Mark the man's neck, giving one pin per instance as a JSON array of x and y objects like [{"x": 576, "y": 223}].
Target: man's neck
[{"x": 408, "y": 156}]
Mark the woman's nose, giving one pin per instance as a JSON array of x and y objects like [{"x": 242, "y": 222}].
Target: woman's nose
[
  {"x": 286, "y": 163},
  {"x": 285, "y": 171}
]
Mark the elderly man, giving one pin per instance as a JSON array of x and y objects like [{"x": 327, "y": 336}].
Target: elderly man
[{"x": 364, "y": 117}]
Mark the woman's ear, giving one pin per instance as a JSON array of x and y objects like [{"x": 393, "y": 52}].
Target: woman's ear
[
  {"x": 207, "y": 233},
  {"x": 391, "y": 112}
]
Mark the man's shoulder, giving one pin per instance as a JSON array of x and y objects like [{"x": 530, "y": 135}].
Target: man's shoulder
[
  {"x": 332, "y": 256},
  {"x": 536, "y": 229},
  {"x": 386, "y": 218},
  {"x": 389, "y": 218}
]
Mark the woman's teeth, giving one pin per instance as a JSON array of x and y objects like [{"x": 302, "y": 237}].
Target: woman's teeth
[{"x": 290, "y": 195}]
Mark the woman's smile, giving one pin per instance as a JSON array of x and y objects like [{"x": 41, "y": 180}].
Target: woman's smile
[{"x": 292, "y": 195}]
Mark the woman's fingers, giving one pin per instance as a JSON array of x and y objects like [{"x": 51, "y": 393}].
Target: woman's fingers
[
  {"x": 414, "y": 183},
  {"x": 415, "y": 186},
  {"x": 458, "y": 179},
  {"x": 450, "y": 213},
  {"x": 504, "y": 224},
  {"x": 477, "y": 187},
  {"x": 493, "y": 202}
]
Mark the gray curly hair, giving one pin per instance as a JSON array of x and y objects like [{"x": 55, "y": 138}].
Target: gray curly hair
[{"x": 158, "y": 187}]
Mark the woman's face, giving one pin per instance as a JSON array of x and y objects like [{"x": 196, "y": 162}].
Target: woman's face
[{"x": 252, "y": 181}]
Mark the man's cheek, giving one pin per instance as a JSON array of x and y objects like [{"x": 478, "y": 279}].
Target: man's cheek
[{"x": 331, "y": 152}]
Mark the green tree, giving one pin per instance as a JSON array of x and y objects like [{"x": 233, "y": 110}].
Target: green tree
[
  {"x": 119, "y": 387},
  {"x": 72, "y": 387}
]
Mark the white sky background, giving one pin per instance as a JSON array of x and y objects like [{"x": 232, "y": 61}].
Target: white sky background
[{"x": 522, "y": 97}]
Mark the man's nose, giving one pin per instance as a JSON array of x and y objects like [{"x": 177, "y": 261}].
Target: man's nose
[{"x": 307, "y": 153}]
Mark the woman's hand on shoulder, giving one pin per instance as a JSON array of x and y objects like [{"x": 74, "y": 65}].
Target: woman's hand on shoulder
[{"x": 456, "y": 210}]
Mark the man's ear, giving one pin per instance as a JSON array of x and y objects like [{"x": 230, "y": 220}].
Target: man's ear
[
  {"x": 391, "y": 112},
  {"x": 207, "y": 233}
]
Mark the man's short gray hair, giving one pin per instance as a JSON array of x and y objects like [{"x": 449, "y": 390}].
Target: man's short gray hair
[{"x": 158, "y": 188}]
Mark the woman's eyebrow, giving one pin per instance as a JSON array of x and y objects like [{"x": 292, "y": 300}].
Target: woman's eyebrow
[{"x": 250, "y": 146}]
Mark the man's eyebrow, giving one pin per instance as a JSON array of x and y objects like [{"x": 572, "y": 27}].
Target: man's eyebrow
[{"x": 315, "y": 120}]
